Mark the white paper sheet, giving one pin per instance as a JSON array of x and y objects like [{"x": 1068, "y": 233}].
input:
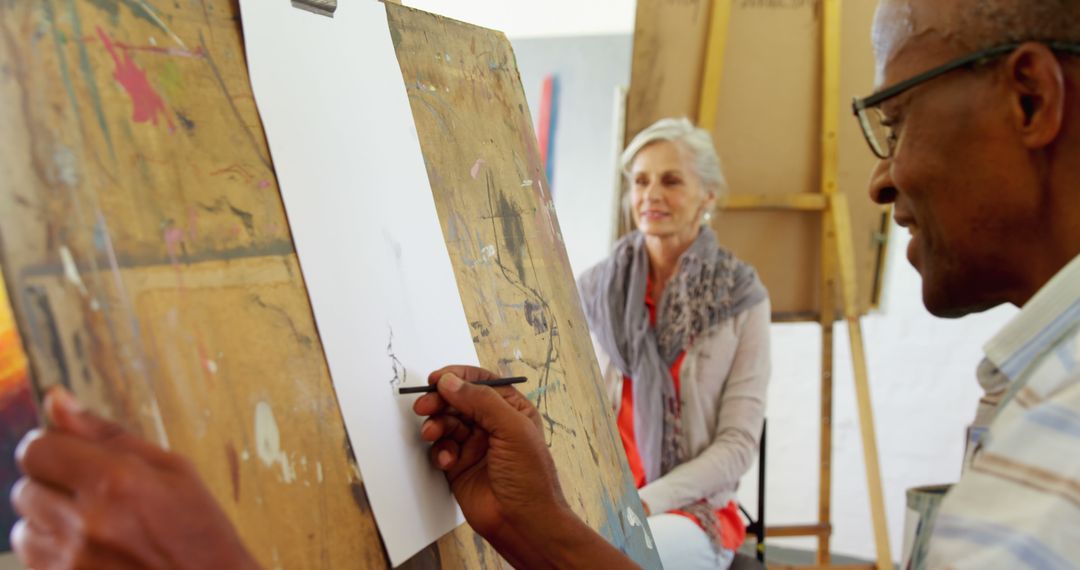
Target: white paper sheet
[{"x": 356, "y": 191}]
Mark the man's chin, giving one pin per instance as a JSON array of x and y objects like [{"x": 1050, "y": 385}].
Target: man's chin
[{"x": 946, "y": 304}]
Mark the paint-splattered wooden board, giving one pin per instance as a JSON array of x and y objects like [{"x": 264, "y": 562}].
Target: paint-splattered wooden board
[
  {"x": 152, "y": 271},
  {"x": 506, "y": 247}
]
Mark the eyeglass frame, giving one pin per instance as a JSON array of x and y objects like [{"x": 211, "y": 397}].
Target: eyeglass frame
[{"x": 860, "y": 105}]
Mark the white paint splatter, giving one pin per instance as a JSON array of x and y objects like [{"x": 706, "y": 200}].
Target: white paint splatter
[
  {"x": 67, "y": 166},
  {"x": 154, "y": 412},
  {"x": 517, "y": 354},
  {"x": 318, "y": 471},
  {"x": 475, "y": 171},
  {"x": 488, "y": 253},
  {"x": 71, "y": 271},
  {"x": 245, "y": 455},
  {"x": 268, "y": 442},
  {"x": 526, "y": 183},
  {"x": 211, "y": 366},
  {"x": 634, "y": 520}
]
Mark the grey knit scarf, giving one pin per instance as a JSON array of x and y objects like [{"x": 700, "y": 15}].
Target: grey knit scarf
[{"x": 711, "y": 285}]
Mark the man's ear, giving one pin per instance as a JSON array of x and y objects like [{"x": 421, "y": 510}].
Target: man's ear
[{"x": 1037, "y": 84}]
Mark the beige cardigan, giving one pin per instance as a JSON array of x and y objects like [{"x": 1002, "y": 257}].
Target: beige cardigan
[{"x": 723, "y": 382}]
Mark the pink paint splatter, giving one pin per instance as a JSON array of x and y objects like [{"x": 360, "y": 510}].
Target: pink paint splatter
[
  {"x": 476, "y": 168},
  {"x": 147, "y": 102},
  {"x": 173, "y": 238},
  {"x": 264, "y": 184}
]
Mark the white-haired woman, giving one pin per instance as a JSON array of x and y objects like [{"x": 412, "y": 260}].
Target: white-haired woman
[{"x": 681, "y": 329}]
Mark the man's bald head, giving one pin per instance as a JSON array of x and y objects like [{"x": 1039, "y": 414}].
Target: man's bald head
[{"x": 969, "y": 25}]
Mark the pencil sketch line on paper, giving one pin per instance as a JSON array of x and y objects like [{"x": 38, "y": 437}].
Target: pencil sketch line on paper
[{"x": 400, "y": 375}]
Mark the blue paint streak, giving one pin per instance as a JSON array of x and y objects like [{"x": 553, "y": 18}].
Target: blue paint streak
[
  {"x": 618, "y": 531},
  {"x": 552, "y": 130}
]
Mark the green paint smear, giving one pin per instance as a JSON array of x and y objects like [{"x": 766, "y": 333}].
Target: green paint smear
[
  {"x": 170, "y": 80},
  {"x": 110, "y": 7},
  {"x": 139, "y": 8},
  {"x": 143, "y": 11}
]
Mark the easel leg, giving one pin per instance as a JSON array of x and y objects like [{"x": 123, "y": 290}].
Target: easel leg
[
  {"x": 827, "y": 318},
  {"x": 840, "y": 217}
]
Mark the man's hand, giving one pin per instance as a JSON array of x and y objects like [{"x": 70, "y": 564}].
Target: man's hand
[
  {"x": 96, "y": 496},
  {"x": 490, "y": 444}
]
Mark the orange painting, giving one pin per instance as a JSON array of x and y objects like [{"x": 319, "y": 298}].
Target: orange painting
[
  {"x": 17, "y": 414},
  {"x": 12, "y": 359}
]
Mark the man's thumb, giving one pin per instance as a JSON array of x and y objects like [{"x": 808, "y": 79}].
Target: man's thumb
[
  {"x": 66, "y": 414},
  {"x": 480, "y": 404}
]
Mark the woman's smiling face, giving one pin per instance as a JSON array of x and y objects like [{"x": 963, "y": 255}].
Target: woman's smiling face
[{"x": 667, "y": 197}]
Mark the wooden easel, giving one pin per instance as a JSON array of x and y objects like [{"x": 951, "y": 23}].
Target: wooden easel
[
  {"x": 838, "y": 273},
  {"x": 152, "y": 271}
]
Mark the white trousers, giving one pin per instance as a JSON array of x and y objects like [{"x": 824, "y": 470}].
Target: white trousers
[{"x": 683, "y": 545}]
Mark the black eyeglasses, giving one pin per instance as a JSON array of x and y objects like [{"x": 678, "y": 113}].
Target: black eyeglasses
[{"x": 879, "y": 133}]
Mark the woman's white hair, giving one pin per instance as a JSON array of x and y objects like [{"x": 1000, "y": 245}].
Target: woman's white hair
[{"x": 695, "y": 144}]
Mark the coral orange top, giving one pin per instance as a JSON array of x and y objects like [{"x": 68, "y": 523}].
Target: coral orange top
[{"x": 732, "y": 529}]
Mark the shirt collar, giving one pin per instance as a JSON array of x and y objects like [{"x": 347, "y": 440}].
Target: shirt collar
[{"x": 1048, "y": 315}]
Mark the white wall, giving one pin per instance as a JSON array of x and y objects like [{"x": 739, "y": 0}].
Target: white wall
[
  {"x": 922, "y": 376},
  {"x": 922, "y": 369},
  {"x": 529, "y": 18}
]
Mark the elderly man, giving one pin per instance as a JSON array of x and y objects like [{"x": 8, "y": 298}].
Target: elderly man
[{"x": 978, "y": 131}]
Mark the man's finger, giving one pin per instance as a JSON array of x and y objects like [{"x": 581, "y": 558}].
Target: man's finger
[
  {"x": 444, "y": 454},
  {"x": 449, "y": 427},
  {"x": 37, "y": 548},
  {"x": 472, "y": 451},
  {"x": 66, "y": 414},
  {"x": 72, "y": 464},
  {"x": 47, "y": 508},
  {"x": 429, "y": 405}
]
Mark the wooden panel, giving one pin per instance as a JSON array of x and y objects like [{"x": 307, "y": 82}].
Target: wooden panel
[
  {"x": 512, "y": 270},
  {"x": 668, "y": 60},
  {"x": 151, "y": 268},
  {"x": 767, "y": 132}
]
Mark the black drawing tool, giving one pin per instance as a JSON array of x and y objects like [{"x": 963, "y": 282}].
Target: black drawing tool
[{"x": 493, "y": 383}]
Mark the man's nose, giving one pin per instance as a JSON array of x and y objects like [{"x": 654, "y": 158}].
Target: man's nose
[{"x": 882, "y": 187}]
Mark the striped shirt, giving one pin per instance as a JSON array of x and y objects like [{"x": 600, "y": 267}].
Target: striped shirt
[{"x": 1018, "y": 503}]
